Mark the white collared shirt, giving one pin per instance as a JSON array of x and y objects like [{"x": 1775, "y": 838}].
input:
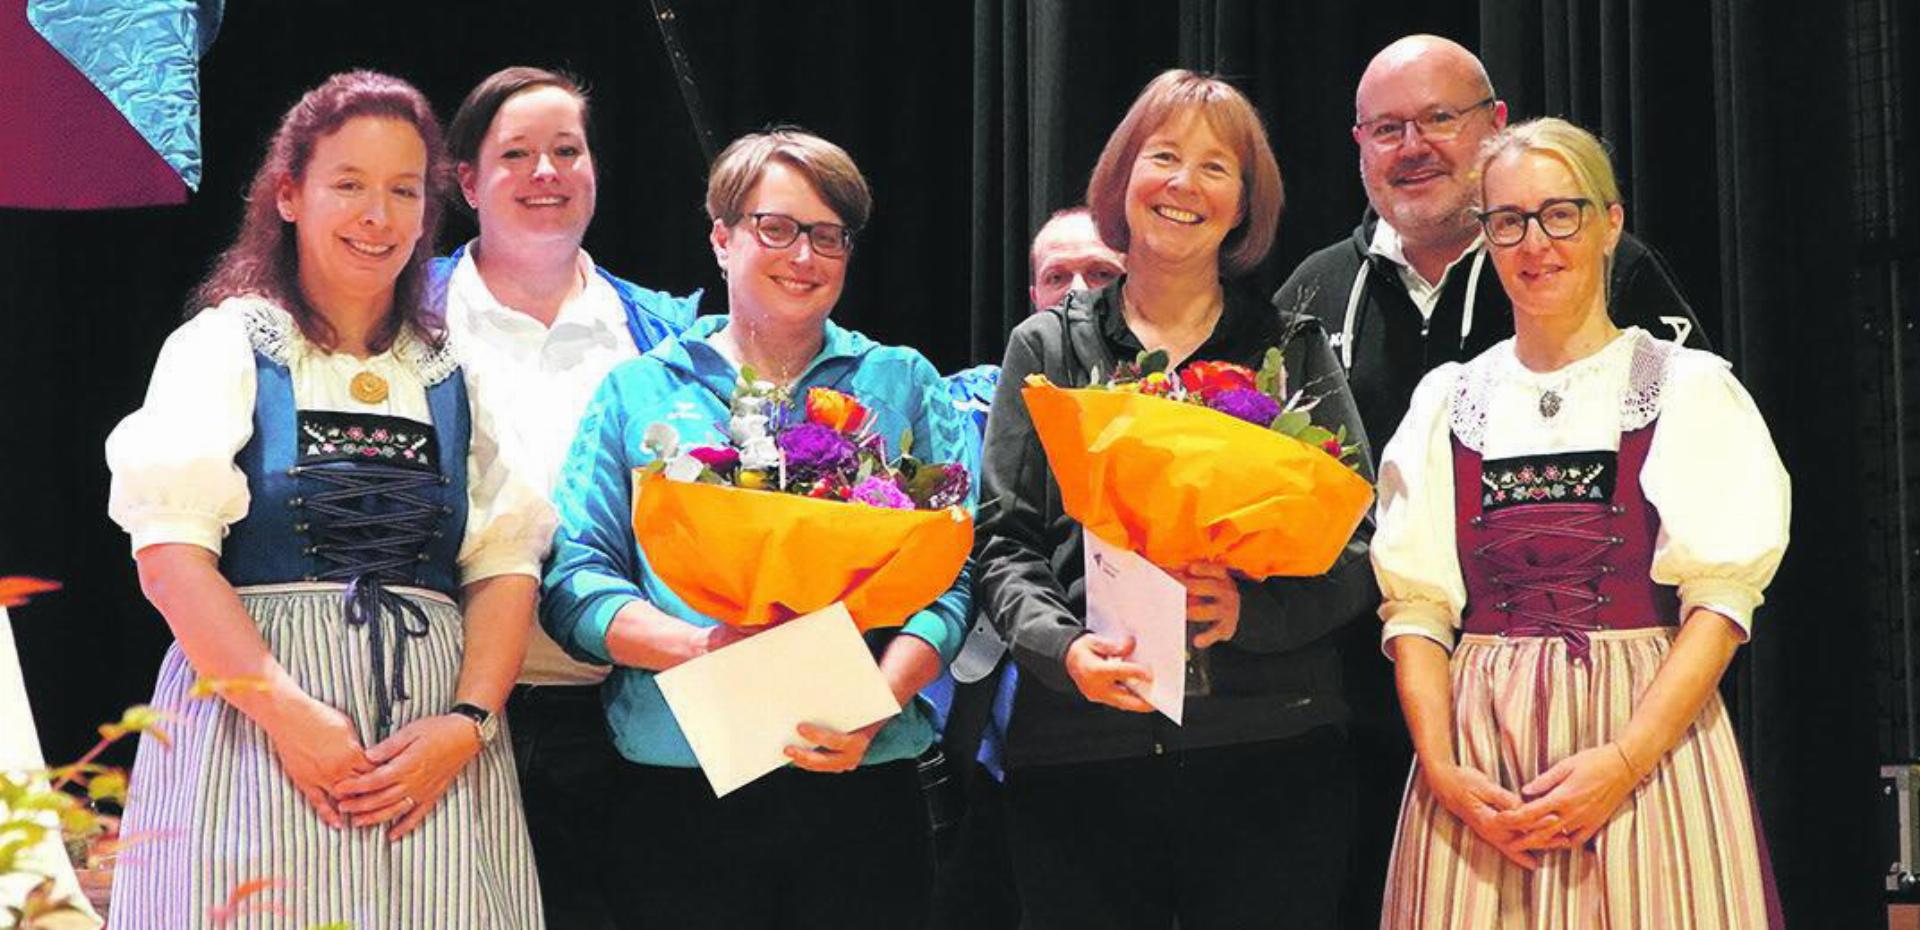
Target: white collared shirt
[
  {"x": 1426, "y": 295},
  {"x": 539, "y": 380}
]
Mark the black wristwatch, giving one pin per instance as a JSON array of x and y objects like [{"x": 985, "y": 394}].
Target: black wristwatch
[{"x": 482, "y": 718}]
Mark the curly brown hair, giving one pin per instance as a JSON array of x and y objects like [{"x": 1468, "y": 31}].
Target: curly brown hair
[{"x": 264, "y": 259}]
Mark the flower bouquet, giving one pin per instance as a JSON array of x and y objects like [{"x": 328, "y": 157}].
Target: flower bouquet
[
  {"x": 798, "y": 509},
  {"x": 1215, "y": 463}
]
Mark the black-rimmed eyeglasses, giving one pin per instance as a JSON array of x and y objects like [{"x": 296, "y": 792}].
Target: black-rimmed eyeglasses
[
  {"x": 778, "y": 231},
  {"x": 1559, "y": 219},
  {"x": 1436, "y": 125}
]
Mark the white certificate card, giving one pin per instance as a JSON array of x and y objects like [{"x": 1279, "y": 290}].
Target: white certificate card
[
  {"x": 739, "y": 705},
  {"x": 1127, "y": 594}
]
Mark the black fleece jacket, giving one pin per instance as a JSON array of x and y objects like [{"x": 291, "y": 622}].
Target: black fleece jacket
[{"x": 1280, "y": 674}]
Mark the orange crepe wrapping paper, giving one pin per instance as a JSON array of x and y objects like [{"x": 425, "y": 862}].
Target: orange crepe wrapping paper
[
  {"x": 751, "y": 558},
  {"x": 1180, "y": 484}
]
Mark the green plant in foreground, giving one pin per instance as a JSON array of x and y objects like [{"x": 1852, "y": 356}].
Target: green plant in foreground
[{"x": 68, "y": 797}]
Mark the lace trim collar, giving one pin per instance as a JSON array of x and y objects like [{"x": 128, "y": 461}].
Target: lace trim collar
[
  {"x": 271, "y": 330},
  {"x": 1639, "y": 402}
]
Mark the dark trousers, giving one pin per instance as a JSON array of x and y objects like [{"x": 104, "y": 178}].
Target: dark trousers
[
  {"x": 795, "y": 849},
  {"x": 1231, "y": 838},
  {"x": 567, "y": 766},
  {"x": 974, "y": 888},
  {"x": 1382, "y": 757}
]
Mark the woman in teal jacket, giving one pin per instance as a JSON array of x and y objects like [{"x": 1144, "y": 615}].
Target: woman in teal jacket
[{"x": 840, "y": 839}]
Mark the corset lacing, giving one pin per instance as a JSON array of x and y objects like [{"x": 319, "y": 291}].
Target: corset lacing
[
  {"x": 1528, "y": 591},
  {"x": 370, "y": 550}
]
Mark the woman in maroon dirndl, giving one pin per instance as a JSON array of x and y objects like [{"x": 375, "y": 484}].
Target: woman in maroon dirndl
[{"x": 1574, "y": 531}]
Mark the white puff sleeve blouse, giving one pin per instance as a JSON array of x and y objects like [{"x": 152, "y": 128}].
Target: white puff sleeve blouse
[
  {"x": 1711, "y": 472},
  {"x": 174, "y": 478}
]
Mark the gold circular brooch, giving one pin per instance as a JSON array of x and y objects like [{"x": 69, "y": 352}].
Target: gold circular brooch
[{"x": 368, "y": 388}]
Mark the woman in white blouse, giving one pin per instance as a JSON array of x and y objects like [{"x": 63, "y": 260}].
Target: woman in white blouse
[
  {"x": 308, "y": 491},
  {"x": 537, "y": 325},
  {"x": 1574, "y": 530}
]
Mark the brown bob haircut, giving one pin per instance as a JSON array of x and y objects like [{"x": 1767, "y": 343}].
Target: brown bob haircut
[
  {"x": 1234, "y": 120},
  {"x": 826, "y": 166},
  {"x": 264, "y": 259},
  {"x": 468, "y": 129}
]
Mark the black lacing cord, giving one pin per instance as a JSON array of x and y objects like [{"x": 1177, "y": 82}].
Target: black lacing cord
[{"x": 369, "y": 551}]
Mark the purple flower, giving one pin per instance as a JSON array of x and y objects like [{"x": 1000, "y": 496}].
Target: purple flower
[
  {"x": 1246, "y": 404},
  {"x": 815, "y": 449},
  {"x": 881, "y": 491}
]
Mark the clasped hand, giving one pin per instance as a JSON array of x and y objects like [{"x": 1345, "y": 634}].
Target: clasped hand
[
  {"x": 398, "y": 781},
  {"x": 1569, "y": 803},
  {"x": 412, "y": 771}
]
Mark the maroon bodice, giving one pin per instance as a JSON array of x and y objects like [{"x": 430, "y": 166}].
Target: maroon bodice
[{"x": 1559, "y": 544}]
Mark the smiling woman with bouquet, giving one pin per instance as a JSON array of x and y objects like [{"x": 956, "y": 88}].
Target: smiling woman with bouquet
[
  {"x": 840, "y": 839},
  {"x": 1119, "y": 818}
]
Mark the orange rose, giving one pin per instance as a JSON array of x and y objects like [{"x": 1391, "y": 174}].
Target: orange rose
[{"x": 835, "y": 410}]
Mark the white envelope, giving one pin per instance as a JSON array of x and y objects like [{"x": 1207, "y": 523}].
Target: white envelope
[
  {"x": 739, "y": 705},
  {"x": 1128, "y": 594}
]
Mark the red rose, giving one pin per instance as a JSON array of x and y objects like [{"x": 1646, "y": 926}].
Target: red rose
[{"x": 1208, "y": 378}]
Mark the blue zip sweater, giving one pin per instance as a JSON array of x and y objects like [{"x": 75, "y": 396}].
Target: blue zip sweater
[{"x": 597, "y": 568}]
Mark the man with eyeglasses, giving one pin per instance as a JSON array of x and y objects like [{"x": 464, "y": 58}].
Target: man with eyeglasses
[{"x": 1408, "y": 291}]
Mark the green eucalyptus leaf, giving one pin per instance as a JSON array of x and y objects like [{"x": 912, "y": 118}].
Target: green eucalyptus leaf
[
  {"x": 1314, "y": 435},
  {"x": 1292, "y": 422}
]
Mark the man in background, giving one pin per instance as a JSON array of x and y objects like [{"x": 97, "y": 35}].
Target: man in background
[{"x": 974, "y": 888}]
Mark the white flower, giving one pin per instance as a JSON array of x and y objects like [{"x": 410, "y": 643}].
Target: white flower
[
  {"x": 748, "y": 427},
  {"x": 749, "y": 404},
  {"x": 759, "y": 452},
  {"x": 661, "y": 440},
  {"x": 684, "y": 468}
]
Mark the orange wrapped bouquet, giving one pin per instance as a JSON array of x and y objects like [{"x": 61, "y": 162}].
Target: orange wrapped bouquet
[
  {"x": 1209, "y": 466},
  {"x": 801, "y": 510}
]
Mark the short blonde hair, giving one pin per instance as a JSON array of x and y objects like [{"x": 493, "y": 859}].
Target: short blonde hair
[
  {"x": 826, "y": 166},
  {"x": 1582, "y": 152},
  {"x": 1228, "y": 114}
]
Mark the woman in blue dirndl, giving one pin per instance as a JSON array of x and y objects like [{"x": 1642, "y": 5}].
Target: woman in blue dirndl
[{"x": 319, "y": 510}]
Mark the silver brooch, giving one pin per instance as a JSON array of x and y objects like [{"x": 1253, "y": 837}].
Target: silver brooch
[{"x": 1549, "y": 403}]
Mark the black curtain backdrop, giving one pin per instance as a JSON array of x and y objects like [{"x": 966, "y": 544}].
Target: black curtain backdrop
[{"x": 1729, "y": 119}]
